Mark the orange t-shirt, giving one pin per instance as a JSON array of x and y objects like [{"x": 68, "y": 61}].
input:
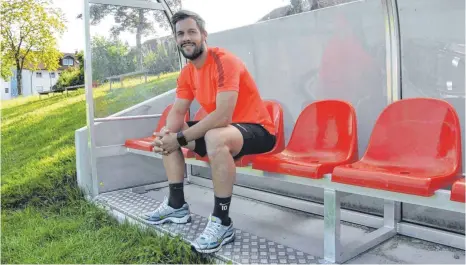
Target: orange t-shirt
[{"x": 222, "y": 71}]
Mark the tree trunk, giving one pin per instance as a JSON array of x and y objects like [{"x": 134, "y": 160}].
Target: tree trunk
[
  {"x": 19, "y": 79},
  {"x": 138, "y": 38}
]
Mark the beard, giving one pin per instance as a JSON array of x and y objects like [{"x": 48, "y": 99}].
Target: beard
[{"x": 197, "y": 51}]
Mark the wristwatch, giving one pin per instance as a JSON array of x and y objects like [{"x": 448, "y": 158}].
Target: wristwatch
[{"x": 181, "y": 139}]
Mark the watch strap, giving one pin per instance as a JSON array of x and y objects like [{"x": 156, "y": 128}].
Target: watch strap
[{"x": 181, "y": 139}]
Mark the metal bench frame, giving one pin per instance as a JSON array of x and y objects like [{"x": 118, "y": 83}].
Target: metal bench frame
[{"x": 333, "y": 193}]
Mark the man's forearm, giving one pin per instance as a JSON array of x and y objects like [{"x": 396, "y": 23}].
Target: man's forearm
[{"x": 215, "y": 119}]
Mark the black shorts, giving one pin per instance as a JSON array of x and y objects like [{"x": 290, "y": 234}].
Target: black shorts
[{"x": 256, "y": 140}]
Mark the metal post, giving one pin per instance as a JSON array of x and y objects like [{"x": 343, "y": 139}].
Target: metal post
[
  {"x": 393, "y": 54},
  {"x": 90, "y": 99},
  {"x": 393, "y": 68},
  {"x": 332, "y": 247},
  {"x": 88, "y": 74},
  {"x": 391, "y": 213}
]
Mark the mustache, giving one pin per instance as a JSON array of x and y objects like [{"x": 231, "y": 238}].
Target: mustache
[{"x": 186, "y": 43}]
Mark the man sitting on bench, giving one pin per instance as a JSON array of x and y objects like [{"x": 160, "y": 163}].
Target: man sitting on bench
[{"x": 237, "y": 124}]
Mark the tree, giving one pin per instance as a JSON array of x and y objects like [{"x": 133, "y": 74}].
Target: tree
[
  {"x": 134, "y": 20},
  {"x": 110, "y": 57},
  {"x": 160, "y": 59},
  {"x": 28, "y": 30}
]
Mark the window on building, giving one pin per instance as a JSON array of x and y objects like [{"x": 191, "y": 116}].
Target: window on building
[
  {"x": 52, "y": 75},
  {"x": 68, "y": 61},
  {"x": 39, "y": 74},
  {"x": 6, "y": 90}
]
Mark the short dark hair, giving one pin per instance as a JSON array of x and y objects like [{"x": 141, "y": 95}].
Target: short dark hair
[{"x": 184, "y": 14}]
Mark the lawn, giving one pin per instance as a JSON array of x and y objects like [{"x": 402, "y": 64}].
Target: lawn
[{"x": 45, "y": 218}]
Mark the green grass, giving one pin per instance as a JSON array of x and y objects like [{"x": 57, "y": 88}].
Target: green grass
[
  {"x": 81, "y": 233},
  {"x": 45, "y": 218}
]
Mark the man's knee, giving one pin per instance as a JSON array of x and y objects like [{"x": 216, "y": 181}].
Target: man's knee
[
  {"x": 173, "y": 155},
  {"x": 215, "y": 143}
]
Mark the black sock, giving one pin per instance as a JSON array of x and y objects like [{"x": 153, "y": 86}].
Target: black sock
[
  {"x": 176, "y": 198},
  {"x": 221, "y": 209}
]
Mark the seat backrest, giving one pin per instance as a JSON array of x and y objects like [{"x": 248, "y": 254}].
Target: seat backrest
[
  {"x": 163, "y": 118},
  {"x": 200, "y": 114},
  {"x": 326, "y": 127},
  {"x": 418, "y": 133},
  {"x": 276, "y": 113}
]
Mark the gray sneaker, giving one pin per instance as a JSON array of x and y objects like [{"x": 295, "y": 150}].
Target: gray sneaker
[
  {"x": 215, "y": 235},
  {"x": 164, "y": 213}
]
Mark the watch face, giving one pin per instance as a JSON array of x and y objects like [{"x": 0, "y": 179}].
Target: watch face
[{"x": 181, "y": 139}]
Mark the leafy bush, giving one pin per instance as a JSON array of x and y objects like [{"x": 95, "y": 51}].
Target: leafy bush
[
  {"x": 111, "y": 57},
  {"x": 161, "y": 58},
  {"x": 72, "y": 76},
  {"x": 69, "y": 77}
]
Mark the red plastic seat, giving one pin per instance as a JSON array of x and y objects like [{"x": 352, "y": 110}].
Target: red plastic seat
[
  {"x": 415, "y": 148},
  {"x": 458, "y": 191},
  {"x": 276, "y": 113},
  {"x": 144, "y": 144},
  {"x": 324, "y": 136}
]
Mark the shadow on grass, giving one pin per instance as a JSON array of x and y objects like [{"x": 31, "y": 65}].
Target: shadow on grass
[
  {"x": 42, "y": 183},
  {"x": 38, "y": 162}
]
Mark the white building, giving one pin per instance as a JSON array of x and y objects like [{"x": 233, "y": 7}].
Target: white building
[{"x": 36, "y": 81}]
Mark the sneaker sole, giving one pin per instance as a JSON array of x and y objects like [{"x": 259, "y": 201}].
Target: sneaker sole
[
  {"x": 182, "y": 220},
  {"x": 212, "y": 250}
]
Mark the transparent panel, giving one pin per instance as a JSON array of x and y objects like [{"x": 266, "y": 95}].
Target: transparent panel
[
  {"x": 433, "y": 65},
  {"x": 322, "y": 54},
  {"x": 221, "y": 15},
  {"x": 298, "y": 6},
  {"x": 134, "y": 57}
]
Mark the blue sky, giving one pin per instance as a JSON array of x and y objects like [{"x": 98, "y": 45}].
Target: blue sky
[{"x": 219, "y": 15}]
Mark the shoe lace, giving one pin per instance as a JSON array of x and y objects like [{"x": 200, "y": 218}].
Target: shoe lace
[
  {"x": 162, "y": 209},
  {"x": 211, "y": 231}
]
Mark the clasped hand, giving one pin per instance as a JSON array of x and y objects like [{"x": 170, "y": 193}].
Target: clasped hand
[{"x": 165, "y": 142}]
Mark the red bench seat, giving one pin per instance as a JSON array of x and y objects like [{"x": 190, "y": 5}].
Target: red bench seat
[
  {"x": 323, "y": 137},
  {"x": 144, "y": 144},
  {"x": 276, "y": 113},
  {"x": 415, "y": 148}
]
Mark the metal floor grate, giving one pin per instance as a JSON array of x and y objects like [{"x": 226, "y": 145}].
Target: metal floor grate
[{"x": 246, "y": 249}]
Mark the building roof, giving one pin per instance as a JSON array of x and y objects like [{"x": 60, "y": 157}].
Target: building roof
[{"x": 61, "y": 67}]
